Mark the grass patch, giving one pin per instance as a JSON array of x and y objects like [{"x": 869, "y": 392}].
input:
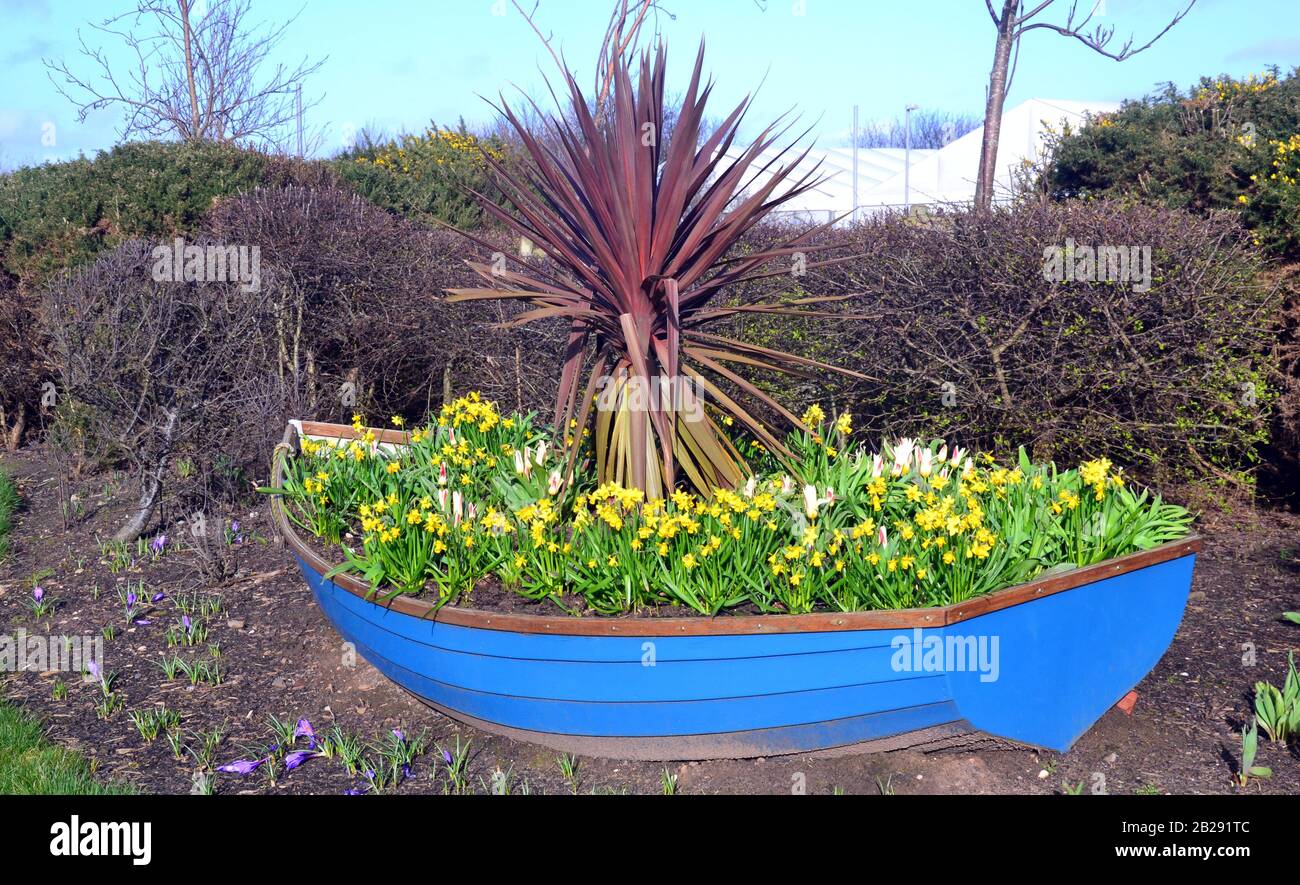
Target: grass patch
[
  {"x": 31, "y": 765},
  {"x": 8, "y": 506}
]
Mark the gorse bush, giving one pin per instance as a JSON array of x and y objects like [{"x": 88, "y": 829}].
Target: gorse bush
[
  {"x": 1223, "y": 144},
  {"x": 424, "y": 176},
  {"x": 58, "y": 215},
  {"x": 916, "y": 524}
]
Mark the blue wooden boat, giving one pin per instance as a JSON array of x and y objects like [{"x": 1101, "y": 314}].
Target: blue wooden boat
[{"x": 1038, "y": 663}]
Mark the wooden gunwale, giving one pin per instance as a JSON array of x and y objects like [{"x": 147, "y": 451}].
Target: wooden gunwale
[{"x": 723, "y": 625}]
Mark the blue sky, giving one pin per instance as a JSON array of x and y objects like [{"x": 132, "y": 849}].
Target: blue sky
[{"x": 396, "y": 65}]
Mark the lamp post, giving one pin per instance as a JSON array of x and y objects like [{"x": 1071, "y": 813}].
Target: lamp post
[
  {"x": 854, "y": 212},
  {"x": 907, "y": 157}
]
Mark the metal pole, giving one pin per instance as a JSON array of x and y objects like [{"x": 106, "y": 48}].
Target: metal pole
[
  {"x": 907, "y": 157},
  {"x": 855, "y": 164}
]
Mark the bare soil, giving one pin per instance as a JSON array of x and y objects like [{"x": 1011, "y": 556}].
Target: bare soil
[{"x": 279, "y": 656}]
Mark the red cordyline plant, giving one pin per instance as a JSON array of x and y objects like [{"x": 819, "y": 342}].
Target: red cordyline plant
[{"x": 638, "y": 234}]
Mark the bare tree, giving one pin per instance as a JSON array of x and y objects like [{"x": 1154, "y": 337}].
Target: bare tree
[
  {"x": 930, "y": 130},
  {"x": 1012, "y": 23},
  {"x": 197, "y": 74}
]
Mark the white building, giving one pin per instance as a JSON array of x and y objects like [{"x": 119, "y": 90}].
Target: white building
[{"x": 943, "y": 176}]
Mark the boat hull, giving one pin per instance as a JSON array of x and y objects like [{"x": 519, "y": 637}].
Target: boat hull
[{"x": 1038, "y": 664}]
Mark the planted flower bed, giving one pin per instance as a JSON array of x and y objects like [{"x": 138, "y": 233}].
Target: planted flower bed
[
  {"x": 826, "y": 612},
  {"x": 833, "y": 595}
]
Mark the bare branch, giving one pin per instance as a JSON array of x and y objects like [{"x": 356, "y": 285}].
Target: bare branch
[
  {"x": 1100, "y": 37},
  {"x": 194, "y": 77}
]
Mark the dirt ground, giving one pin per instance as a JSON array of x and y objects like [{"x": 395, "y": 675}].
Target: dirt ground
[{"x": 279, "y": 656}]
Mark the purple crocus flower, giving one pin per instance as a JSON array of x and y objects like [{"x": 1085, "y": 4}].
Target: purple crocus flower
[
  {"x": 159, "y": 596},
  {"x": 234, "y": 525},
  {"x": 142, "y": 622},
  {"x": 187, "y": 623},
  {"x": 93, "y": 669},
  {"x": 242, "y": 766},
  {"x": 304, "y": 729},
  {"x": 446, "y": 755},
  {"x": 397, "y": 733},
  {"x": 131, "y": 599},
  {"x": 406, "y": 772},
  {"x": 38, "y": 594},
  {"x": 354, "y": 792},
  {"x": 158, "y": 544},
  {"x": 296, "y": 758}
]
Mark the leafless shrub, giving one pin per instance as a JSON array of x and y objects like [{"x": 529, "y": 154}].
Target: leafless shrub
[
  {"x": 20, "y": 364},
  {"x": 360, "y": 322},
  {"x": 155, "y": 363},
  {"x": 969, "y": 340}
]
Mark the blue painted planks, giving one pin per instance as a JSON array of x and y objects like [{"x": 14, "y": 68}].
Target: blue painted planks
[
  {"x": 628, "y": 700},
  {"x": 1067, "y": 658},
  {"x": 637, "y": 677},
  {"x": 1062, "y": 661}
]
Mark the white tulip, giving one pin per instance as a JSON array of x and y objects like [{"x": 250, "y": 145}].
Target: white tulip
[{"x": 810, "y": 501}]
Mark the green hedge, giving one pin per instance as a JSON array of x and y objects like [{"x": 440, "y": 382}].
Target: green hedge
[
  {"x": 58, "y": 215},
  {"x": 1222, "y": 144}
]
